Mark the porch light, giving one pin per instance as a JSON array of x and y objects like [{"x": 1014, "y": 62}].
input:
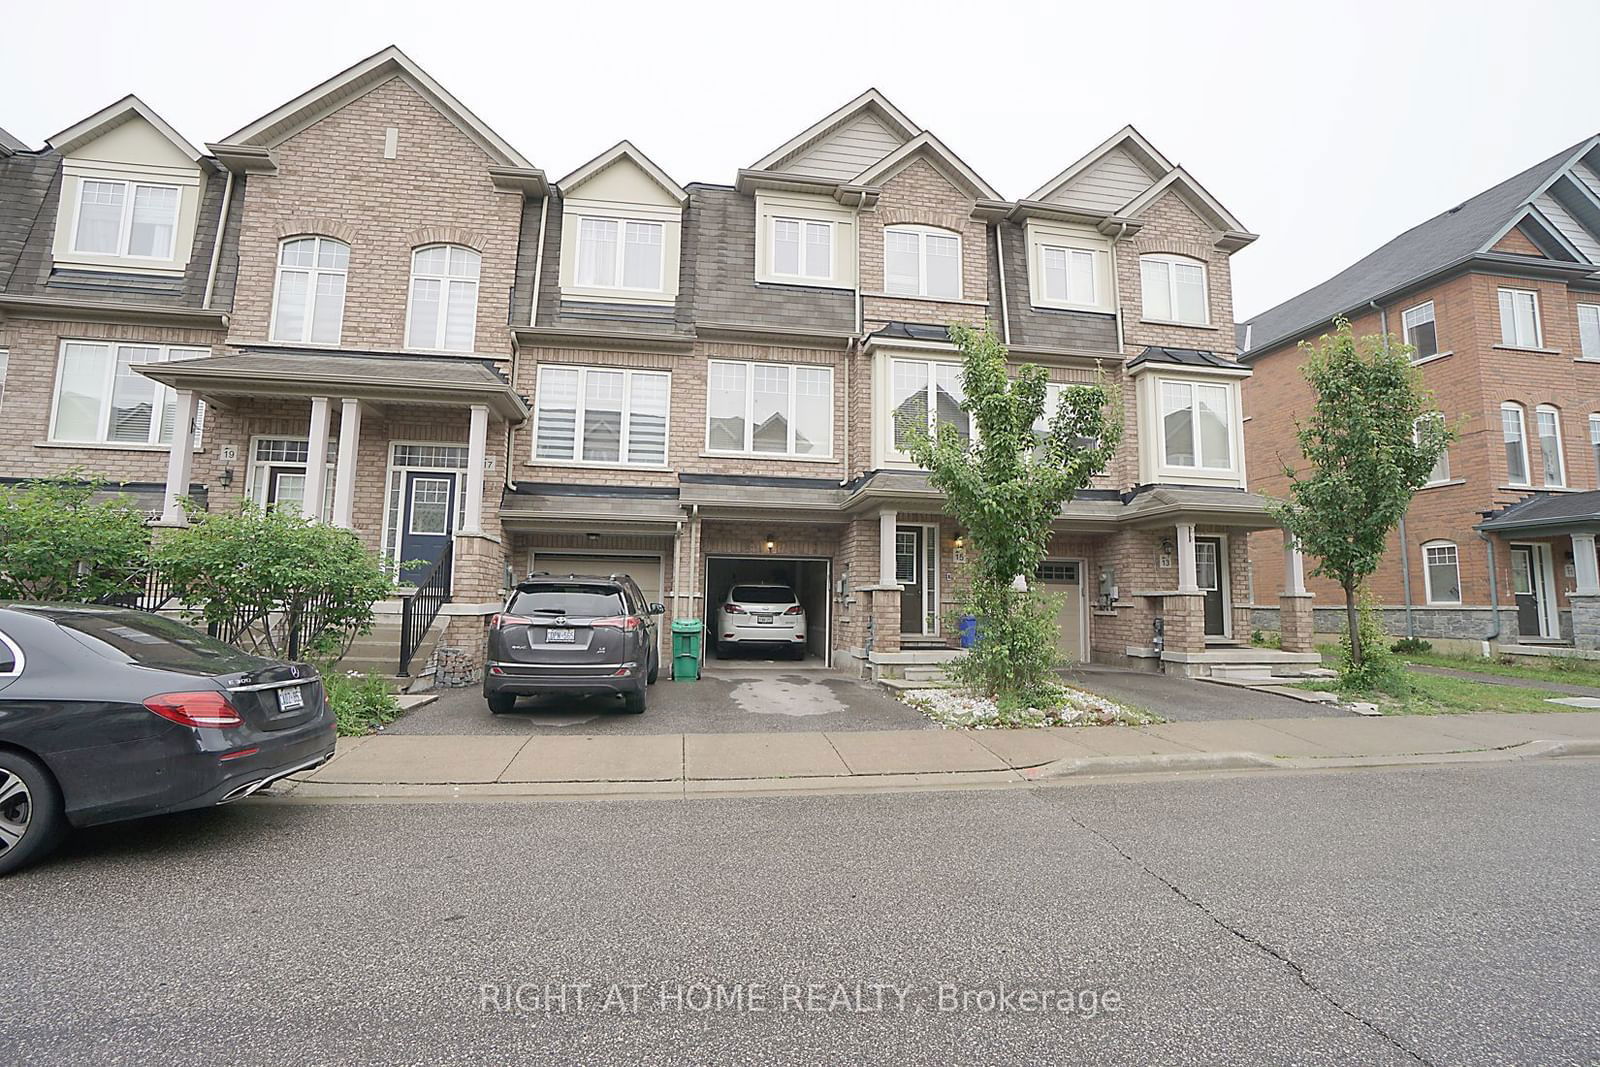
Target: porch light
[
  {"x": 227, "y": 477},
  {"x": 961, "y": 540},
  {"x": 771, "y": 543}
]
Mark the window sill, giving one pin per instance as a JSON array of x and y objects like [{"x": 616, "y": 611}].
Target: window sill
[
  {"x": 1436, "y": 357},
  {"x": 641, "y": 297},
  {"x": 1087, "y": 309},
  {"x": 1180, "y": 325},
  {"x": 1587, "y": 359},
  {"x": 1540, "y": 489},
  {"x": 571, "y": 464},
  {"x": 777, "y": 456},
  {"x": 1533, "y": 349},
  {"x": 161, "y": 268},
  {"x": 109, "y": 446},
  {"x": 960, "y": 301},
  {"x": 1443, "y": 485},
  {"x": 806, "y": 283}
]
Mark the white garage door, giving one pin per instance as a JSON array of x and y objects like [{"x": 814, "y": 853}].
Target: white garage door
[{"x": 646, "y": 570}]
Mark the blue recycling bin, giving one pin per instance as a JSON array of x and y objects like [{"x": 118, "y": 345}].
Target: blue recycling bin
[{"x": 969, "y": 631}]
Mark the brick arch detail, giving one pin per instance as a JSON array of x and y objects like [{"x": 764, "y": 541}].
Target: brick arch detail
[
  {"x": 312, "y": 226},
  {"x": 904, "y": 216},
  {"x": 423, "y": 236},
  {"x": 1172, "y": 246}
]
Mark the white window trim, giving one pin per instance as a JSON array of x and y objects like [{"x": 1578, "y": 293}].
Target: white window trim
[
  {"x": 1170, "y": 259},
  {"x": 163, "y": 396},
  {"x": 1561, "y": 452},
  {"x": 1405, "y": 329},
  {"x": 922, "y": 234},
  {"x": 390, "y": 490},
  {"x": 577, "y": 459},
  {"x": 130, "y": 189},
  {"x": 444, "y": 281},
  {"x": 619, "y": 265},
  {"x": 5, "y": 366},
  {"x": 1427, "y": 571},
  {"x": 1538, "y": 319},
  {"x": 1041, "y": 236},
  {"x": 1444, "y": 457},
  {"x": 1197, "y": 467},
  {"x": 1594, "y": 439},
  {"x": 805, "y": 246},
  {"x": 887, "y": 413},
  {"x": 311, "y": 291},
  {"x": 1584, "y": 353},
  {"x": 251, "y": 483},
  {"x": 749, "y": 410},
  {"x": 1522, "y": 424}
]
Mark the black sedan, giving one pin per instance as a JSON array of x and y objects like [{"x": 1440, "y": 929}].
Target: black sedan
[{"x": 108, "y": 714}]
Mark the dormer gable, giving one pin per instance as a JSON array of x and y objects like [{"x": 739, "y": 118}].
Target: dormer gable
[
  {"x": 623, "y": 174},
  {"x": 1115, "y": 172},
  {"x": 621, "y": 230},
  {"x": 844, "y": 143},
  {"x": 1231, "y": 234},
  {"x": 925, "y": 146},
  {"x": 128, "y": 131}
]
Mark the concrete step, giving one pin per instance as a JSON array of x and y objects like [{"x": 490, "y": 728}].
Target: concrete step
[{"x": 924, "y": 674}]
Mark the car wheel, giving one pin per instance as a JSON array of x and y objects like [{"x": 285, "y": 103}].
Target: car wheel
[
  {"x": 633, "y": 703},
  {"x": 655, "y": 669},
  {"x": 31, "y": 818},
  {"x": 501, "y": 703}
]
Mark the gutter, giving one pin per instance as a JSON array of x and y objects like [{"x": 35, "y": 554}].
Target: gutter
[
  {"x": 216, "y": 244},
  {"x": 107, "y": 311}
]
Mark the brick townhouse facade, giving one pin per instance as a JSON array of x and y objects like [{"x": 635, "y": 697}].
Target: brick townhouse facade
[
  {"x": 1499, "y": 297},
  {"x": 368, "y": 306}
]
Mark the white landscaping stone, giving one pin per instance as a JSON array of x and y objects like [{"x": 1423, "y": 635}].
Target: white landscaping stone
[{"x": 962, "y": 709}]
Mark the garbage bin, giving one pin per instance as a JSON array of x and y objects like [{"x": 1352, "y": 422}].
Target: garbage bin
[
  {"x": 686, "y": 650},
  {"x": 969, "y": 631}
]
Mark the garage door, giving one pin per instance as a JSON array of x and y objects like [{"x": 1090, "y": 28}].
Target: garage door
[{"x": 646, "y": 570}]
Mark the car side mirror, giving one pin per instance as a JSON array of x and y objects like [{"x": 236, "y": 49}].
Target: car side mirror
[{"x": 658, "y": 609}]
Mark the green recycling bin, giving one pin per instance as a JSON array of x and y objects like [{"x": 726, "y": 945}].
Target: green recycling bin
[{"x": 686, "y": 650}]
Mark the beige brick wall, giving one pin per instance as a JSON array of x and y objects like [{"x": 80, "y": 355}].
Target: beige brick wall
[{"x": 920, "y": 195}]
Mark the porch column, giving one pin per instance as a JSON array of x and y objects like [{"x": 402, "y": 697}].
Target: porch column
[
  {"x": 344, "y": 475},
  {"x": 180, "y": 460},
  {"x": 477, "y": 448},
  {"x": 1294, "y": 567},
  {"x": 316, "y": 460},
  {"x": 1586, "y": 597},
  {"x": 1584, "y": 564},
  {"x": 1296, "y": 621},
  {"x": 1188, "y": 581},
  {"x": 887, "y": 520}
]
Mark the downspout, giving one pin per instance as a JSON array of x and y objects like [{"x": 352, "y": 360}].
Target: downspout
[
  {"x": 1000, "y": 259},
  {"x": 849, "y": 352},
  {"x": 1116, "y": 287},
  {"x": 1494, "y": 595},
  {"x": 538, "y": 259},
  {"x": 216, "y": 245},
  {"x": 1405, "y": 546}
]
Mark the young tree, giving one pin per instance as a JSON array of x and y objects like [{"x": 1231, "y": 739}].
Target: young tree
[
  {"x": 1006, "y": 487},
  {"x": 1372, "y": 440},
  {"x": 58, "y": 542}
]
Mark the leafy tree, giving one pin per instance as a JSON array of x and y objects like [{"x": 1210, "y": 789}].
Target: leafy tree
[
  {"x": 258, "y": 571},
  {"x": 63, "y": 539},
  {"x": 1372, "y": 440},
  {"x": 1006, "y": 487}
]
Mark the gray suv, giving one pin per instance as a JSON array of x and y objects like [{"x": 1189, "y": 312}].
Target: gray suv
[{"x": 582, "y": 634}]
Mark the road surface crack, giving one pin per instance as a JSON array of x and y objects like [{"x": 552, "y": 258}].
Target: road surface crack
[{"x": 1294, "y": 968}]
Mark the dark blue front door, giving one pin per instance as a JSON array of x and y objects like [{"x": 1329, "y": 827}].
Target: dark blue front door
[{"x": 427, "y": 517}]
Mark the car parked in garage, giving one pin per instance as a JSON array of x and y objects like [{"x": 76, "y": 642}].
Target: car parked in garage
[
  {"x": 761, "y": 615},
  {"x": 577, "y": 634},
  {"x": 109, "y": 714}
]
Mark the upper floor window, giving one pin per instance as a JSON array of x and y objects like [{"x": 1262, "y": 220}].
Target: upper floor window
[
  {"x": 926, "y": 395},
  {"x": 1589, "y": 330},
  {"x": 595, "y": 415},
  {"x": 121, "y": 218},
  {"x": 1197, "y": 425},
  {"x": 444, "y": 299},
  {"x": 5, "y": 360},
  {"x": 1519, "y": 318},
  {"x": 1441, "y": 466},
  {"x": 802, "y": 248},
  {"x": 921, "y": 261},
  {"x": 1555, "y": 467},
  {"x": 1513, "y": 432},
  {"x": 1068, "y": 275},
  {"x": 769, "y": 408},
  {"x": 1441, "y": 572},
  {"x": 620, "y": 254},
  {"x": 309, "y": 303},
  {"x": 1174, "y": 289},
  {"x": 102, "y": 398},
  {"x": 1419, "y": 331},
  {"x": 1594, "y": 439}
]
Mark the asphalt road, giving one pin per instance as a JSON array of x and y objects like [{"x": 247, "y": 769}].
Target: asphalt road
[{"x": 1441, "y": 915}]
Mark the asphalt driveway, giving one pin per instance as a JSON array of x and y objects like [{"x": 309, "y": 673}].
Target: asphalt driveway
[{"x": 1186, "y": 700}]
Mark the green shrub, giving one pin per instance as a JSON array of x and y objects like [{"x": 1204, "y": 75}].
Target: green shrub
[
  {"x": 1018, "y": 647},
  {"x": 361, "y": 702},
  {"x": 63, "y": 544},
  {"x": 1378, "y": 669},
  {"x": 1411, "y": 645}
]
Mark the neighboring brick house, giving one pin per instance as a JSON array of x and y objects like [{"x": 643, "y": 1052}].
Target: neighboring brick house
[
  {"x": 1499, "y": 296},
  {"x": 419, "y": 337}
]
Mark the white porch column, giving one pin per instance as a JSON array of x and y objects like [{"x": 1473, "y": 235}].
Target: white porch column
[
  {"x": 887, "y": 521},
  {"x": 344, "y": 475},
  {"x": 1584, "y": 565},
  {"x": 477, "y": 449},
  {"x": 1294, "y": 567},
  {"x": 1187, "y": 579},
  {"x": 180, "y": 460},
  {"x": 316, "y": 460}
]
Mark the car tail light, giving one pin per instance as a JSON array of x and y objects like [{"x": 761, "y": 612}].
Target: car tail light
[
  {"x": 509, "y": 620},
  {"x": 733, "y": 609},
  {"x": 796, "y": 610},
  {"x": 203, "y": 710},
  {"x": 619, "y": 622}
]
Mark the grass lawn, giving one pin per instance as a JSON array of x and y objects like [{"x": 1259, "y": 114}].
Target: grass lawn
[
  {"x": 1551, "y": 669},
  {"x": 1431, "y": 694}
]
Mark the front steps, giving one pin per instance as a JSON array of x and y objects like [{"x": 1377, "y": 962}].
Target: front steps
[{"x": 378, "y": 652}]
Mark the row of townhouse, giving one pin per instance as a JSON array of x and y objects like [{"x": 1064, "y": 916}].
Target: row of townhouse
[
  {"x": 368, "y": 305},
  {"x": 1500, "y": 299}
]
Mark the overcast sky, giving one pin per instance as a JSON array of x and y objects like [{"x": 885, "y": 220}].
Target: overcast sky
[{"x": 1326, "y": 128}]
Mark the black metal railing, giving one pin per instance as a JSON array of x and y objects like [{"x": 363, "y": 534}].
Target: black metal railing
[
  {"x": 294, "y": 628},
  {"x": 422, "y": 607},
  {"x": 146, "y": 591}
]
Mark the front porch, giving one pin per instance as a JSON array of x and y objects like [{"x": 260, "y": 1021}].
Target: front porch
[{"x": 1547, "y": 540}]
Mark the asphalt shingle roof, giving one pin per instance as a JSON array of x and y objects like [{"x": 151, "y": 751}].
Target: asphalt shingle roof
[{"x": 1546, "y": 509}]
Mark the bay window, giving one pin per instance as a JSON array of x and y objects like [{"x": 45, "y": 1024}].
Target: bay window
[
  {"x": 1174, "y": 289},
  {"x": 1196, "y": 425},
  {"x": 308, "y": 304},
  {"x": 444, "y": 299},
  {"x": 1519, "y": 318},
  {"x": 925, "y": 395},
  {"x": 604, "y": 416},
  {"x": 921, "y": 261},
  {"x": 802, "y": 248},
  {"x": 620, "y": 254},
  {"x": 127, "y": 219},
  {"x": 101, "y": 398},
  {"x": 769, "y": 409},
  {"x": 1513, "y": 431},
  {"x": 1555, "y": 466}
]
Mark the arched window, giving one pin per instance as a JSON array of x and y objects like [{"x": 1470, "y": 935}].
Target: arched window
[
  {"x": 1441, "y": 572},
  {"x": 1554, "y": 462},
  {"x": 444, "y": 299},
  {"x": 922, "y": 261},
  {"x": 1513, "y": 430},
  {"x": 1174, "y": 289},
  {"x": 308, "y": 304}
]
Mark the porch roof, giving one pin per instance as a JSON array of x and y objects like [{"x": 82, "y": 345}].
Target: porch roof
[
  {"x": 455, "y": 381},
  {"x": 1549, "y": 513}
]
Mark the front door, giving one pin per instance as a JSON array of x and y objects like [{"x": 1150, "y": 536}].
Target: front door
[
  {"x": 1063, "y": 578},
  {"x": 908, "y": 541},
  {"x": 1531, "y": 582},
  {"x": 1210, "y": 573},
  {"x": 286, "y": 487},
  {"x": 428, "y": 519}
]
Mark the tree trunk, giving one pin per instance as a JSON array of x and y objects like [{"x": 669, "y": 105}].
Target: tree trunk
[{"x": 1353, "y": 621}]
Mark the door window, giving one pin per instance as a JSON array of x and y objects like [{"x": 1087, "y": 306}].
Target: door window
[
  {"x": 430, "y": 506},
  {"x": 1205, "y": 565},
  {"x": 1061, "y": 572},
  {"x": 1522, "y": 572},
  {"x": 905, "y": 556}
]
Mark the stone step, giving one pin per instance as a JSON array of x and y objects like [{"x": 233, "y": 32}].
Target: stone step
[{"x": 924, "y": 674}]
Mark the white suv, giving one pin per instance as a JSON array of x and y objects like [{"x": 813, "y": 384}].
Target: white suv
[{"x": 761, "y": 614}]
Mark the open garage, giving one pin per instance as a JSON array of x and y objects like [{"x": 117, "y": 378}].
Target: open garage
[{"x": 809, "y": 578}]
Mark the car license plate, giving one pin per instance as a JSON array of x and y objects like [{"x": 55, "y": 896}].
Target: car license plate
[
  {"x": 559, "y": 637},
  {"x": 765, "y": 620},
  {"x": 291, "y": 699}
]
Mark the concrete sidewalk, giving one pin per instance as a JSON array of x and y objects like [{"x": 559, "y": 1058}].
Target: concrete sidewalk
[{"x": 486, "y": 766}]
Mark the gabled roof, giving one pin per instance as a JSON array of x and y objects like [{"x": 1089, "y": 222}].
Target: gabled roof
[
  {"x": 109, "y": 118},
  {"x": 1195, "y": 195},
  {"x": 281, "y": 123},
  {"x": 1454, "y": 236},
  {"x": 926, "y": 146},
  {"x": 9, "y": 145},
  {"x": 870, "y": 101},
  {"x": 619, "y": 151},
  {"x": 1126, "y": 139}
]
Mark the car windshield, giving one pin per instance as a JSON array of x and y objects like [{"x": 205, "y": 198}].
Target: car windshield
[
  {"x": 583, "y": 600},
  {"x": 762, "y": 594},
  {"x": 154, "y": 641}
]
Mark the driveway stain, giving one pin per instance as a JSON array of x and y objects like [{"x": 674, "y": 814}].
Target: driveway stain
[{"x": 794, "y": 699}]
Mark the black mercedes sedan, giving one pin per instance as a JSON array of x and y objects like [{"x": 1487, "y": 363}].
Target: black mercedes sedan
[{"x": 109, "y": 714}]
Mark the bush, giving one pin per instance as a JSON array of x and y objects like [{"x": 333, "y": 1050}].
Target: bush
[
  {"x": 361, "y": 702},
  {"x": 1378, "y": 669},
  {"x": 1411, "y": 645},
  {"x": 62, "y": 544},
  {"x": 1018, "y": 648}
]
